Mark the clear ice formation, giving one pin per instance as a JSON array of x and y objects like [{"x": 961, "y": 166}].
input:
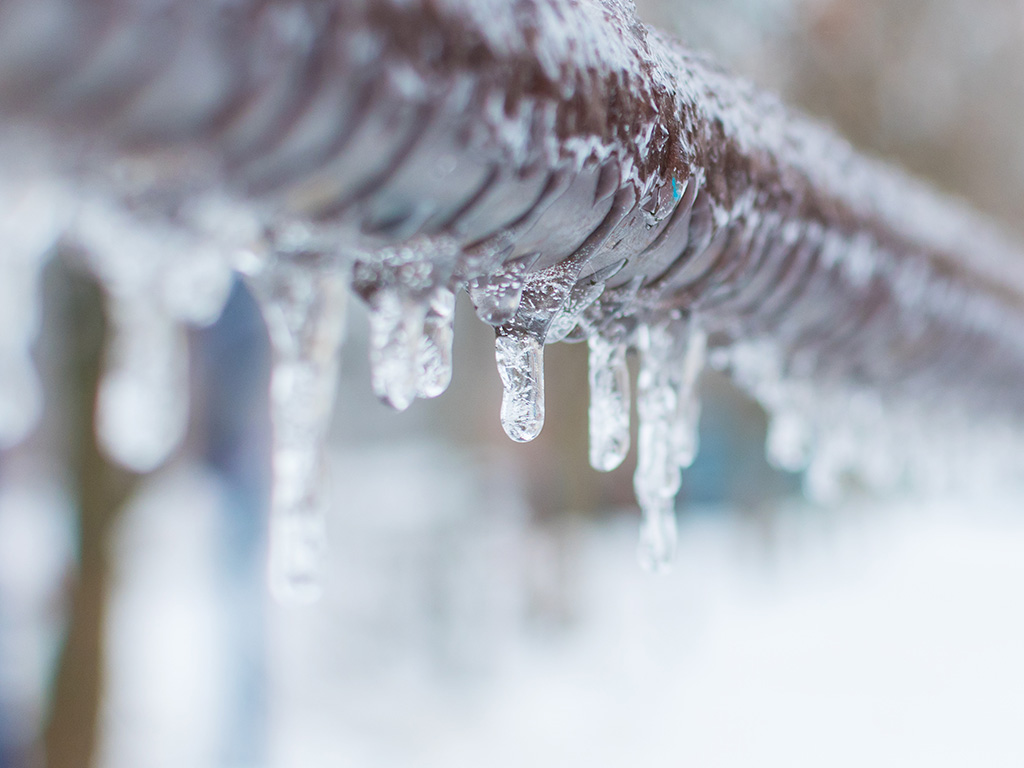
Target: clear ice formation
[
  {"x": 520, "y": 358},
  {"x": 715, "y": 202},
  {"x": 609, "y": 400},
  {"x": 155, "y": 278},
  {"x": 303, "y": 304},
  {"x": 671, "y": 359}
]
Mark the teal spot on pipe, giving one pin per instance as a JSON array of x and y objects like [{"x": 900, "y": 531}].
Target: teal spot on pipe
[{"x": 675, "y": 190}]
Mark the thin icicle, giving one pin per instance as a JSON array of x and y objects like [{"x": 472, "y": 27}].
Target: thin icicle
[
  {"x": 396, "y": 338},
  {"x": 304, "y": 306},
  {"x": 609, "y": 401},
  {"x": 434, "y": 371},
  {"x": 687, "y": 419},
  {"x": 657, "y": 477},
  {"x": 520, "y": 358},
  {"x": 142, "y": 402}
]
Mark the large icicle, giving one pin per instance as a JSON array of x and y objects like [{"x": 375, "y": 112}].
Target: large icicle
[
  {"x": 609, "y": 400},
  {"x": 303, "y": 304},
  {"x": 671, "y": 357}
]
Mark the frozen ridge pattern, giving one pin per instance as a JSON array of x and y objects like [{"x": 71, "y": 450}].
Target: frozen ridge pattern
[{"x": 580, "y": 176}]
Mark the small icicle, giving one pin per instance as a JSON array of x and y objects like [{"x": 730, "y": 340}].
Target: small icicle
[
  {"x": 304, "y": 306},
  {"x": 657, "y": 477},
  {"x": 32, "y": 214},
  {"x": 142, "y": 402},
  {"x": 520, "y": 358},
  {"x": 434, "y": 372},
  {"x": 609, "y": 401},
  {"x": 397, "y": 325}
]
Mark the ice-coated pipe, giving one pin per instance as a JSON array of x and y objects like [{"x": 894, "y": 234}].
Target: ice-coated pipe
[{"x": 546, "y": 130}]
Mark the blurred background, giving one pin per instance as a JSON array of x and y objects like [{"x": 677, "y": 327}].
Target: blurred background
[{"x": 482, "y": 603}]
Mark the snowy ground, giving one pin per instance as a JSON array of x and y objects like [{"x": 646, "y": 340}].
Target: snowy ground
[{"x": 883, "y": 635}]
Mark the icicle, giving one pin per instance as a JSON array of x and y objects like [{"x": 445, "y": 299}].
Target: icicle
[
  {"x": 31, "y": 217},
  {"x": 657, "y": 477},
  {"x": 609, "y": 401},
  {"x": 142, "y": 403},
  {"x": 687, "y": 421},
  {"x": 304, "y": 306},
  {"x": 434, "y": 370},
  {"x": 520, "y": 358},
  {"x": 396, "y": 341}
]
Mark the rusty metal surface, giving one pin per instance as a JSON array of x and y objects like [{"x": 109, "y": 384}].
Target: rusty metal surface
[{"x": 464, "y": 137}]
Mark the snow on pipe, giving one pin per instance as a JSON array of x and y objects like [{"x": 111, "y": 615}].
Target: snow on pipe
[{"x": 581, "y": 176}]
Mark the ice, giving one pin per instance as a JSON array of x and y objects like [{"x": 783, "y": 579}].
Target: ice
[
  {"x": 303, "y": 303},
  {"x": 155, "y": 278},
  {"x": 397, "y": 347},
  {"x": 687, "y": 420},
  {"x": 658, "y": 536},
  {"x": 788, "y": 440},
  {"x": 142, "y": 402},
  {"x": 496, "y": 297},
  {"x": 434, "y": 369},
  {"x": 520, "y": 358},
  {"x": 609, "y": 401},
  {"x": 32, "y": 215}
]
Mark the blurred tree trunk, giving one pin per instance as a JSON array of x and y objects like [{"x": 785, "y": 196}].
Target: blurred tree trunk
[{"x": 71, "y": 733}]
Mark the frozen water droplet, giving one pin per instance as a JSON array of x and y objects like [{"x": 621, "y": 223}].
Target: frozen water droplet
[
  {"x": 609, "y": 402},
  {"x": 396, "y": 343},
  {"x": 303, "y": 305},
  {"x": 520, "y": 358},
  {"x": 658, "y": 536},
  {"x": 142, "y": 402},
  {"x": 435, "y": 361}
]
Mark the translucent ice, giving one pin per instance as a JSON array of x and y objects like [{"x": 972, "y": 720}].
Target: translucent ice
[
  {"x": 142, "y": 402},
  {"x": 434, "y": 368},
  {"x": 520, "y": 358},
  {"x": 397, "y": 341},
  {"x": 657, "y": 477},
  {"x": 32, "y": 214},
  {"x": 496, "y": 297},
  {"x": 304, "y": 306},
  {"x": 609, "y": 401}
]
